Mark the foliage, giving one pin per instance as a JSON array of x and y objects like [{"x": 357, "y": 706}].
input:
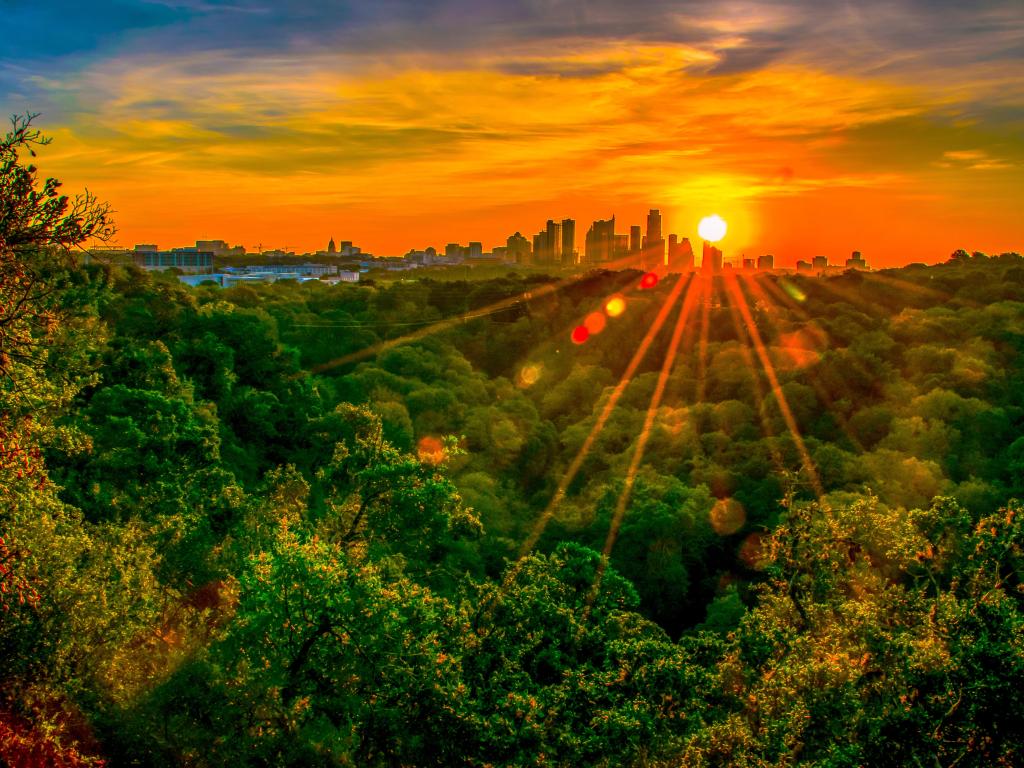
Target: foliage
[{"x": 226, "y": 540}]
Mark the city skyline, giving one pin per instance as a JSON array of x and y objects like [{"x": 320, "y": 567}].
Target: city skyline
[{"x": 812, "y": 128}]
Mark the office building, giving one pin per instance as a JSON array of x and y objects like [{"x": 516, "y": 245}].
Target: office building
[
  {"x": 568, "y": 249},
  {"x": 767, "y": 261},
  {"x": 653, "y": 226},
  {"x": 803, "y": 266},
  {"x": 518, "y": 249},
  {"x": 680, "y": 254},
  {"x": 553, "y": 243},
  {"x": 820, "y": 262},
  {"x": 856, "y": 261},
  {"x": 184, "y": 259},
  {"x": 653, "y": 243},
  {"x": 711, "y": 258},
  {"x": 635, "y": 240},
  {"x": 548, "y": 244},
  {"x": 600, "y": 241}
]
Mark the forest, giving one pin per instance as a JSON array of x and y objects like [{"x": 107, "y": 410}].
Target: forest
[{"x": 743, "y": 520}]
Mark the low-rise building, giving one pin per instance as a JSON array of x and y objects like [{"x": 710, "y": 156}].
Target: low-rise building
[{"x": 187, "y": 260}]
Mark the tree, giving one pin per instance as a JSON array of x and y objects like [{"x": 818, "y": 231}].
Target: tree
[
  {"x": 33, "y": 217},
  {"x": 36, "y": 222}
]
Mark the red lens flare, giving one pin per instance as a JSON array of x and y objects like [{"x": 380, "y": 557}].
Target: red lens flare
[
  {"x": 649, "y": 280},
  {"x": 580, "y": 334}
]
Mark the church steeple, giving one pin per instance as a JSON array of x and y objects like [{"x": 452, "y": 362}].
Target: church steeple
[{"x": 331, "y": 247}]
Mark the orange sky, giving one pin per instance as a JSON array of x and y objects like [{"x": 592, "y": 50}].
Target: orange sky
[{"x": 803, "y": 152}]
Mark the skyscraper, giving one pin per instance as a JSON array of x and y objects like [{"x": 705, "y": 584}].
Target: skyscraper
[
  {"x": 766, "y": 262},
  {"x": 551, "y": 244},
  {"x": 568, "y": 254},
  {"x": 331, "y": 247},
  {"x": 711, "y": 260},
  {"x": 653, "y": 226},
  {"x": 600, "y": 241},
  {"x": 653, "y": 244},
  {"x": 684, "y": 260},
  {"x": 634, "y": 239},
  {"x": 539, "y": 242}
]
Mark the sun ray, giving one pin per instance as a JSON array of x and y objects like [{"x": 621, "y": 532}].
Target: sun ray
[
  {"x": 851, "y": 297},
  {"x": 652, "y": 412},
  {"x": 771, "y": 315},
  {"x": 773, "y": 380},
  {"x": 705, "y": 321},
  {"x": 770, "y": 286},
  {"x": 932, "y": 294},
  {"x": 748, "y": 358},
  {"x": 641, "y": 444},
  {"x": 605, "y": 414},
  {"x": 443, "y": 325}
]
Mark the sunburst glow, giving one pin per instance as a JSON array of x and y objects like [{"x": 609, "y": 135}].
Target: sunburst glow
[{"x": 712, "y": 228}]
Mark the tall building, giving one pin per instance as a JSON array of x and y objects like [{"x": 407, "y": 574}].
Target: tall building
[
  {"x": 331, "y": 247},
  {"x": 475, "y": 250},
  {"x": 453, "y": 251},
  {"x": 653, "y": 226},
  {"x": 635, "y": 243},
  {"x": 711, "y": 259},
  {"x": 554, "y": 242},
  {"x": 803, "y": 266},
  {"x": 518, "y": 249},
  {"x": 620, "y": 247},
  {"x": 600, "y": 241},
  {"x": 767, "y": 261},
  {"x": 653, "y": 243},
  {"x": 820, "y": 262},
  {"x": 547, "y": 244},
  {"x": 568, "y": 254},
  {"x": 683, "y": 260}
]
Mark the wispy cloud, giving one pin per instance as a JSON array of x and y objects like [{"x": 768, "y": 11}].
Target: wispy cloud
[{"x": 439, "y": 105}]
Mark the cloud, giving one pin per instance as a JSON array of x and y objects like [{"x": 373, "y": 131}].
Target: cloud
[
  {"x": 443, "y": 105},
  {"x": 974, "y": 159}
]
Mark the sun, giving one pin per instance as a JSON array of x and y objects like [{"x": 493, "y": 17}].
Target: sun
[{"x": 712, "y": 228}]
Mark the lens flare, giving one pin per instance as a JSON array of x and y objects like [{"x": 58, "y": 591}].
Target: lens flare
[
  {"x": 649, "y": 280},
  {"x": 430, "y": 450},
  {"x": 615, "y": 306},
  {"x": 595, "y": 323},
  {"x": 529, "y": 375},
  {"x": 752, "y": 551},
  {"x": 712, "y": 228},
  {"x": 580, "y": 334},
  {"x": 793, "y": 291},
  {"x": 727, "y": 516}
]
